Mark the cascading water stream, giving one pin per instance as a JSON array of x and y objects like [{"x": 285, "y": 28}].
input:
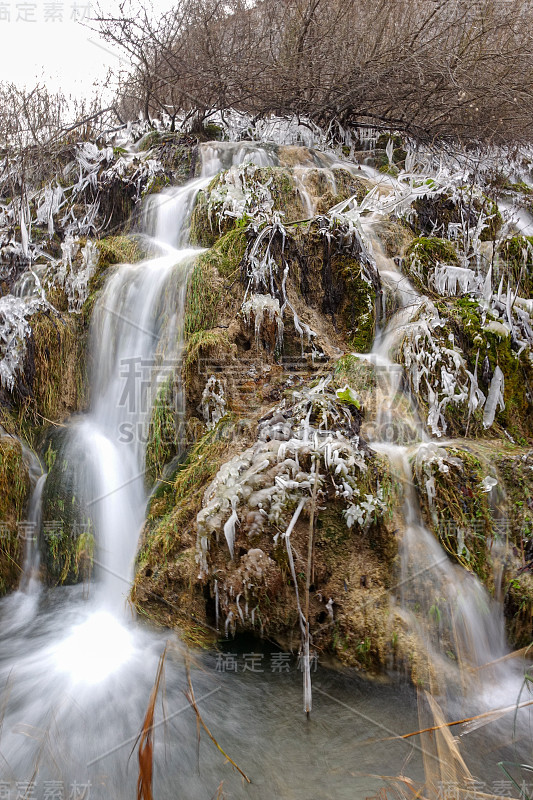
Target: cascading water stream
[
  {"x": 22, "y": 605},
  {"x": 79, "y": 675},
  {"x": 30, "y": 581},
  {"x": 448, "y": 606}
]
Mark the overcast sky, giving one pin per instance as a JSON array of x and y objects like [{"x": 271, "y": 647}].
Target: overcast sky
[{"x": 42, "y": 41}]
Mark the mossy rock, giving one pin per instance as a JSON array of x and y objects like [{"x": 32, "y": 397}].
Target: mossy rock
[
  {"x": 515, "y": 472},
  {"x": 514, "y": 535},
  {"x": 57, "y": 356},
  {"x": 464, "y": 321},
  {"x": 67, "y": 536},
  {"x": 278, "y": 181},
  {"x": 112, "y": 250},
  {"x": 14, "y": 493},
  {"x": 166, "y": 590},
  {"x": 164, "y": 430},
  {"x": 460, "y": 327},
  {"x": 329, "y": 188},
  {"x": 156, "y": 184},
  {"x": 177, "y": 152},
  {"x": 356, "y": 311},
  {"x": 435, "y": 213},
  {"x": 423, "y": 255},
  {"x": 395, "y": 236},
  {"x": 518, "y": 608},
  {"x": 515, "y": 264},
  {"x": 460, "y": 514},
  {"x": 207, "y": 296},
  {"x": 335, "y": 283}
]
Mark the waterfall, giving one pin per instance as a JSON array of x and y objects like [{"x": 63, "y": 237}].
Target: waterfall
[
  {"x": 136, "y": 342},
  {"x": 30, "y": 581},
  {"x": 445, "y": 604},
  {"x": 78, "y": 675}
]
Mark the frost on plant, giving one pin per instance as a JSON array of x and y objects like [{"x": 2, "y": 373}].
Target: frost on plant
[
  {"x": 262, "y": 311},
  {"x": 213, "y": 405},
  {"x": 436, "y": 367},
  {"x": 239, "y": 192},
  {"x": 15, "y": 330},
  {"x": 74, "y": 271},
  {"x": 314, "y": 438}
]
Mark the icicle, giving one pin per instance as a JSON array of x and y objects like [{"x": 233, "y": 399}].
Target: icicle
[
  {"x": 239, "y": 609},
  {"x": 495, "y": 398},
  {"x": 229, "y": 619},
  {"x": 24, "y": 235},
  {"x": 487, "y": 286},
  {"x": 488, "y": 484},
  {"x": 389, "y": 150},
  {"x": 229, "y": 527}
]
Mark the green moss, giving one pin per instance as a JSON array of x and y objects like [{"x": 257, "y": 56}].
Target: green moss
[
  {"x": 389, "y": 169},
  {"x": 464, "y": 320},
  {"x": 67, "y": 540},
  {"x": 357, "y": 311},
  {"x": 423, "y": 255},
  {"x": 202, "y": 345},
  {"x": 14, "y": 491},
  {"x": 357, "y": 373},
  {"x": 151, "y": 139},
  {"x": 183, "y": 500},
  {"x": 206, "y": 292},
  {"x": 460, "y": 507},
  {"x": 513, "y": 266},
  {"x": 518, "y": 607},
  {"x": 203, "y": 298},
  {"x": 162, "y": 442},
  {"x": 203, "y": 231},
  {"x": 515, "y": 472},
  {"x": 58, "y": 367},
  {"x": 156, "y": 184},
  {"x": 112, "y": 250},
  {"x": 228, "y": 252}
]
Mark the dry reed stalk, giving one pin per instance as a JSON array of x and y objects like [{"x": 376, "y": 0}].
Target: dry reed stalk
[
  {"x": 145, "y": 739},
  {"x": 192, "y": 700}
]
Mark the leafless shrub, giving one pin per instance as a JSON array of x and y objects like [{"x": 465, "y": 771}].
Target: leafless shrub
[{"x": 435, "y": 69}]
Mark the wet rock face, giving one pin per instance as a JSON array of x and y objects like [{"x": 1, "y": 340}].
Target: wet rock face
[
  {"x": 232, "y": 550},
  {"x": 14, "y": 494},
  {"x": 67, "y": 536},
  {"x": 435, "y": 215},
  {"x": 249, "y": 192}
]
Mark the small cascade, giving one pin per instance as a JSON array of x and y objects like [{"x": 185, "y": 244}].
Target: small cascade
[
  {"x": 448, "y": 607},
  {"x": 29, "y": 582},
  {"x": 21, "y": 606},
  {"x": 166, "y": 214},
  {"x": 136, "y": 342},
  {"x": 396, "y": 418},
  {"x": 452, "y": 612}
]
